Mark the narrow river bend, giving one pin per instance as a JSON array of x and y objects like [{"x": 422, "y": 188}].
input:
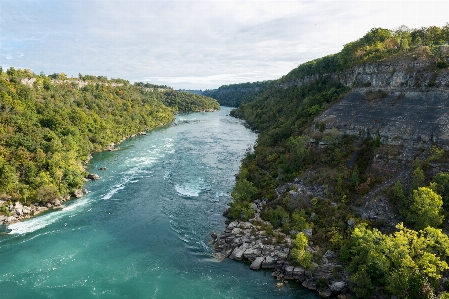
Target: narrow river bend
[{"x": 143, "y": 230}]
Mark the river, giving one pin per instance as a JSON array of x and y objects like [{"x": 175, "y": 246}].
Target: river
[{"x": 143, "y": 230}]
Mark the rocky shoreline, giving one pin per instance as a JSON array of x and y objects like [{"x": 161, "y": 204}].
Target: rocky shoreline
[{"x": 252, "y": 241}]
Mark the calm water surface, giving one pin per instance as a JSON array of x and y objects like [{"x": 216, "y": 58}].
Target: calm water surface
[{"x": 143, "y": 230}]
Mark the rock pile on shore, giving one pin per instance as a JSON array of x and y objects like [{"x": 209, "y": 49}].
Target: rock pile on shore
[
  {"x": 248, "y": 241},
  {"x": 18, "y": 211}
]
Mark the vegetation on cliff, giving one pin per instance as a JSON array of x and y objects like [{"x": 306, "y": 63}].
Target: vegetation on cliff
[
  {"x": 49, "y": 126},
  {"x": 376, "y": 45},
  {"x": 408, "y": 261}
]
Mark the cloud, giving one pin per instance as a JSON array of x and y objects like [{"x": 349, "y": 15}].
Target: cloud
[{"x": 189, "y": 43}]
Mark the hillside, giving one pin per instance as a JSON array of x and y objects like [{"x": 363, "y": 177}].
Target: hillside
[
  {"x": 233, "y": 95},
  {"x": 350, "y": 170},
  {"x": 50, "y": 125}
]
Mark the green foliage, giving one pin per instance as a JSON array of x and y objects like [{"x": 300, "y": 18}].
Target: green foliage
[
  {"x": 49, "y": 129},
  {"x": 188, "y": 102},
  {"x": 277, "y": 217},
  {"x": 442, "y": 188},
  {"x": 377, "y": 44},
  {"x": 409, "y": 263},
  {"x": 299, "y": 252},
  {"x": 418, "y": 178},
  {"x": 244, "y": 190},
  {"x": 235, "y": 94},
  {"x": 426, "y": 209}
]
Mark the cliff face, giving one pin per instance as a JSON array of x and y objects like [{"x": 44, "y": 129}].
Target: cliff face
[
  {"x": 399, "y": 117},
  {"x": 402, "y": 102}
]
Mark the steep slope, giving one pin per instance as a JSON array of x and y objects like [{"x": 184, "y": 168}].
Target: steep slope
[
  {"x": 235, "y": 94},
  {"x": 350, "y": 146}
]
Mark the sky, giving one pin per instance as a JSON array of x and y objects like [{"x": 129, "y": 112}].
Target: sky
[{"x": 191, "y": 44}]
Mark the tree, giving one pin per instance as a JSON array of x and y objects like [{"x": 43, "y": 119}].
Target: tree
[
  {"x": 442, "y": 188},
  {"x": 426, "y": 209},
  {"x": 417, "y": 178},
  {"x": 299, "y": 251}
]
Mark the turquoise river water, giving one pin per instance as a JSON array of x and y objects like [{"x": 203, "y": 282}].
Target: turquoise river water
[{"x": 143, "y": 230}]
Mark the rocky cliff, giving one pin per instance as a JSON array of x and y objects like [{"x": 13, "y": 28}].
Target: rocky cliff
[{"x": 403, "y": 101}]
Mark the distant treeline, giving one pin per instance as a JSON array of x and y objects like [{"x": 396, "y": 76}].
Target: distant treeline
[{"x": 234, "y": 94}]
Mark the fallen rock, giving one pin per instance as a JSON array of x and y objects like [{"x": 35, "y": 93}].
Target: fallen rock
[
  {"x": 309, "y": 284},
  {"x": 237, "y": 254},
  {"x": 257, "y": 263},
  {"x": 93, "y": 176},
  {"x": 269, "y": 263},
  {"x": 337, "y": 286},
  {"x": 325, "y": 293},
  {"x": 78, "y": 193},
  {"x": 11, "y": 219}
]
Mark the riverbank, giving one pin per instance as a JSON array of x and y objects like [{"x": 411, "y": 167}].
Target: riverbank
[
  {"x": 254, "y": 241},
  {"x": 14, "y": 211}
]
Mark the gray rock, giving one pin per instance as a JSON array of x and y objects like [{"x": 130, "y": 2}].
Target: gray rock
[
  {"x": 251, "y": 253},
  {"x": 326, "y": 293},
  {"x": 269, "y": 263},
  {"x": 330, "y": 254},
  {"x": 56, "y": 202},
  {"x": 93, "y": 176},
  {"x": 237, "y": 254},
  {"x": 308, "y": 232},
  {"x": 299, "y": 273},
  {"x": 309, "y": 284},
  {"x": 78, "y": 193},
  {"x": 257, "y": 263},
  {"x": 337, "y": 286},
  {"x": 11, "y": 219},
  {"x": 289, "y": 271}
]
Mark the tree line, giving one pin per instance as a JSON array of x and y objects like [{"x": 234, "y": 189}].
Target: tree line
[{"x": 49, "y": 130}]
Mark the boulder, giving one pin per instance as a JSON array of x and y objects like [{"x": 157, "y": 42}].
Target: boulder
[
  {"x": 18, "y": 211},
  {"x": 78, "y": 193},
  {"x": 251, "y": 253},
  {"x": 299, "y": 273},
  {"x": 11, "y": 219},
  {"x": 308, "y": 232},
  {"x": 288, "y": 271},
  {"x": 325, "y": 293},
  {"x": 237, "y": 254},
  {"x": 269, "y": 263},
  {"x": 309, "y": 284},
  {"x": 257, "y": 263},
  {"x": 93, "y": 176},
  {"x": 56, "y": 202},
  {"x": 337, "y": 286}
]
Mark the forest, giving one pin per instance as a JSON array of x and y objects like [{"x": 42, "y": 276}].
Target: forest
[
  {"x": 233, "y": 95},
  {"x": 407, "y": 261},
  {"x": 50, "y": 125}
]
